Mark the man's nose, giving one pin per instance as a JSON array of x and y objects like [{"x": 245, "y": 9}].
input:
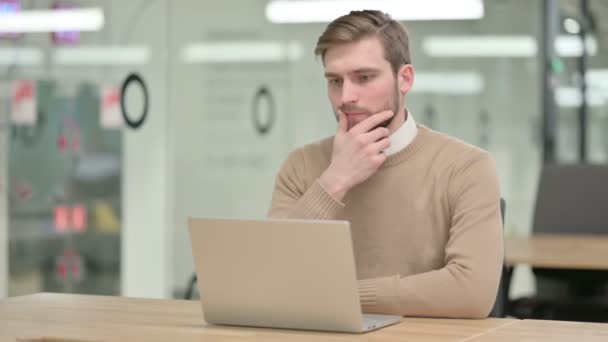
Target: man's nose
[{"x": 349, "y": 92}]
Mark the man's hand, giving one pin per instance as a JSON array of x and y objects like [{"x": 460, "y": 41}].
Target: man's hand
[{"x": 357, "y": 153}]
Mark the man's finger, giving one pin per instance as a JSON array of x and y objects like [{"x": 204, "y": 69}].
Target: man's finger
[
  {"x": 342, "y": 122},
  {"x": 381, "y": 145},
  {"x": 377, "y": 134},
  {"x": 370, "y": 123}
]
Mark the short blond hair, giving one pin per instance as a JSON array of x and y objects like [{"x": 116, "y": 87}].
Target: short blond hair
[{"x": 368, "y": 23}]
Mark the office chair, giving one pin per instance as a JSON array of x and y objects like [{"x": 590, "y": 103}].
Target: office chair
[
  {"x": 190, "y": 288},
  {"x": 570, "y": 199},
  {"x": 502, "y": 297}
]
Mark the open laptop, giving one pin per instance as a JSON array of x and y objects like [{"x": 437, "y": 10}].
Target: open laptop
[{"x": 292, "y": 274}]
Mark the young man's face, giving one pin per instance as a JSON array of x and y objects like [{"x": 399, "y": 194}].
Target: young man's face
[{"x": 361, "y": 83}]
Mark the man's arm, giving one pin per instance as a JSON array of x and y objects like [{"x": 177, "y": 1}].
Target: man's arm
[
  {"x": 356, "y": 155},
  {"x": 467, "y": 286},
  {"x": 291, "y": 197}
]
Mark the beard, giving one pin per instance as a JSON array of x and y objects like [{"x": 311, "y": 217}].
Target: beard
[{"x": 392, "y": 104}]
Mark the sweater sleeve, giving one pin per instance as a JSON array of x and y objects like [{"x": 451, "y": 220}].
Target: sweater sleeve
[
  {"x": 467, "y": 285},
  {"x": 292, "y": 198}
]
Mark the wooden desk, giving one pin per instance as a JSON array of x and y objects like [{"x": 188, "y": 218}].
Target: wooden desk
[
  {"x": 553, "y": 251},
  {"x": 531, "y": 330},
  {"x": 572, "y": 251},
  {"x": 96, "y": 318}
]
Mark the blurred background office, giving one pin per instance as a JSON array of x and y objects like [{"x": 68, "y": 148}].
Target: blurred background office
[{"x": 119, "y": 119}]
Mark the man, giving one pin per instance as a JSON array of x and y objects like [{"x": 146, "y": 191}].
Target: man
[{"x": 424, "y": 207}]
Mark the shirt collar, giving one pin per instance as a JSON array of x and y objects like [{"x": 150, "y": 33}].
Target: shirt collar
[{"x": 403, "y": 136}]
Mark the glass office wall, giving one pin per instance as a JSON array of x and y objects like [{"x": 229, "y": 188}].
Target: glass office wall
[
  {"x": 231, "y": 94},
  {"x": 65, "y": 147},
  {"x": 225, "y": 167},
  {"x": 64, "y": 194}
]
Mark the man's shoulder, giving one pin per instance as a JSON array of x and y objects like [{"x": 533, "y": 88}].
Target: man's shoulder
[
  {"x": 454, "y": 149},
  {"x": 313, "y": 157},
  {"x": 317, "y": 149}
]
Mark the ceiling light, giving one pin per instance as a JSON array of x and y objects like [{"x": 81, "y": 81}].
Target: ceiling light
[
  {"x": 572, "y": 46},
  {"x": 479, "y": 46},
  {"x": 501, "y": 46},
  {"x": 315, "y": 11},
  {"x": 20, "y": 56},
  {"x": 572, "y": 97},
  {"x": 85, "y": 19},
  {"x": 572, "y": 26},
  {"x": 101, "y": 55},
  {"x": 241, "y": 52},
  {"x": 455, "y": 83}
]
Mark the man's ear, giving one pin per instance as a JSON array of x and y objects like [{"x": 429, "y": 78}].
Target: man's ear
[{"x": 405, "y": 78}]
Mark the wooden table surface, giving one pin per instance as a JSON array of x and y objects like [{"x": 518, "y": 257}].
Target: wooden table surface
[
  {"x": 572, "y": 251},
  {"x": 554, "y": 331},
  {"x": 71, "y": 318},
  {"x": 65, "y": 317}
]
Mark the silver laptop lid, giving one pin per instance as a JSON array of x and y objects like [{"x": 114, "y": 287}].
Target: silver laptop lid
[{"x": 276, "y": 273}]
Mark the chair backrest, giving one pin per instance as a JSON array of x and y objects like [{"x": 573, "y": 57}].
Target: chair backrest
[
  {"x": 502, "y": 296},
  {"x": 572, "y": 199}
]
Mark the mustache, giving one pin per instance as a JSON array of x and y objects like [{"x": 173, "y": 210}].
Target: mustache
[{"x": 353, "y": 109}]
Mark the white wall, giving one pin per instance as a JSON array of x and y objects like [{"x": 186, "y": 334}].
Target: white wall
[
  {"x": 221, "y": 168},
  {"x": 146, "y": 180}
]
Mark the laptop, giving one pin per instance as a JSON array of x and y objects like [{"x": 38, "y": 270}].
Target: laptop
[{"x": 291, "y": 274}]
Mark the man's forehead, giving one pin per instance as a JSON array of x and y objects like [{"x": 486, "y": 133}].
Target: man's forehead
[{"x": 363, "y": 55}]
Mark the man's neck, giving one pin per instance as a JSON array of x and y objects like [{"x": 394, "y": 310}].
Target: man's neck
[{"x": 398, "y": 121}]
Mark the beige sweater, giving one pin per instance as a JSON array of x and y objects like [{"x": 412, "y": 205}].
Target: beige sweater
[{"x": 426, "y": 228}]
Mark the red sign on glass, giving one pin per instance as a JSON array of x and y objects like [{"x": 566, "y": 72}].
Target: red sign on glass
[
  {"x": 23, "y": 103},
  {"x": 62, "y": 223},
  {"x": 69, "y": 264},
  {"x": 70, "y": 218},
  {"x": 110, "y": 113},
  {"x": 79, "y": 218}
]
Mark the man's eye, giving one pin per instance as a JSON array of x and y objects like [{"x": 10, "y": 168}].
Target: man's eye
[
  {"x": 365, "y": 78},
  {"x": 335, "y": 81}
]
